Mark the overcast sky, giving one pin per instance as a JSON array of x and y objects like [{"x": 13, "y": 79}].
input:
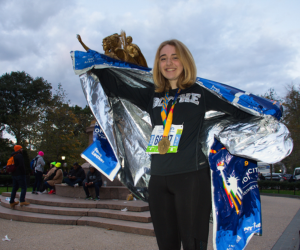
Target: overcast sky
[{"x": 252, "y": 45}]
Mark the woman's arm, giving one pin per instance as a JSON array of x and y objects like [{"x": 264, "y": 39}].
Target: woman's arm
[
  {"x": 213, "y": 102},
  {"x": 114, "y": 87}
]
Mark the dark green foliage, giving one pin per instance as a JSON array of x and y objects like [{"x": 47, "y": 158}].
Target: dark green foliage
[
  {"x": 282, "y": 185},
  {"x": 291, "y": 118},
  {"x": 84, "y": 116},
  {"x": 6, "y": 180},
  {"x": 21, "y": 101},
  {"x": 292, "y": 121},
  {"x": 41, "y": 120},
  {"x": 6, "y": 148}
]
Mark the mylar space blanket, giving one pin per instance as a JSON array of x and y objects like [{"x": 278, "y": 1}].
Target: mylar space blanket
[{"x": 128, "y": 129}]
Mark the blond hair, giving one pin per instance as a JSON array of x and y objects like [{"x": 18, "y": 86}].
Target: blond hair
[{"x": 188, "y": 75}]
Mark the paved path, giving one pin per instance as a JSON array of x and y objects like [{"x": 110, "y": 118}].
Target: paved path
[{"x": 277, "y": 213}]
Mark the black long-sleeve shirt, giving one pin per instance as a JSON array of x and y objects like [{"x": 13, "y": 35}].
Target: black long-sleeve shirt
[
  {"x": 19, "y": 163},
  {"x": 78, "y": 173},
  {"x": 192, "y": 103},
  {"x": 93, "y": 177}
]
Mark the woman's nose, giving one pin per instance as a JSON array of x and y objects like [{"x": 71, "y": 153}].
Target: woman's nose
[{"x": 169, "y": 61}]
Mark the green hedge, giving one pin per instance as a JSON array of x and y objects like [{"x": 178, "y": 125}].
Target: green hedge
[
  {"x": 6, "y": 180},
  {"x": 283, "y": 185}
]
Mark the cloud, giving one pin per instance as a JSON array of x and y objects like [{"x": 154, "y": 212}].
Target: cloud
[{"x": 237, "y": 43}]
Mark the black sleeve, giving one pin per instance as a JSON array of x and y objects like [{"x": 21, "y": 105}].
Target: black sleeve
[
  {"x": 213, "y": 102},
  {"x": 114, "y": 87},
  {"x": 98, "y": 175}
]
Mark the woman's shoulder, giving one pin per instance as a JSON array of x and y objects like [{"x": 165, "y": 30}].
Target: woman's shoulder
[{"x": 193, "y": 88}]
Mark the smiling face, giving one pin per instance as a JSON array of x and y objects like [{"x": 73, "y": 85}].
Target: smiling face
[{"x": 170, "y": 65}]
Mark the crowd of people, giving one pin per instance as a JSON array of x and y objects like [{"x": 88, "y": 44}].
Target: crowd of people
[{"x": 45, "y": 180}]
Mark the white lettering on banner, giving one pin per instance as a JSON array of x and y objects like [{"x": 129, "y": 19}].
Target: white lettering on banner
[
  {"x": 247, "y": 229},
  {"x": 250, "y": 171},
  {"x": 189, "y": 97},
  {"x": 97, "y": 154},
  {"x": 249, "y": 189},
  {"x": 100, "y": 133},
  {"x": 216, "y": 89}
]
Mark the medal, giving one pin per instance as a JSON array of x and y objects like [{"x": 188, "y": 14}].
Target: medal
[{"x": 163, "y": 145}]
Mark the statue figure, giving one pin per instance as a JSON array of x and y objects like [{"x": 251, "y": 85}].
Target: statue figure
[
  {"x": 135, "y": 52},
  {"x": 112, "y": 46},
  {"x": 107, "y": 47}
]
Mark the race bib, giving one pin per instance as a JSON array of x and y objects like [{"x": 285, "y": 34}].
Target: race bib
[{"x": 157, "y": 134}]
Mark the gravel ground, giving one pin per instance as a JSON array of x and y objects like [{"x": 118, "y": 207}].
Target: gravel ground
[{"x": 277, "y": 213}]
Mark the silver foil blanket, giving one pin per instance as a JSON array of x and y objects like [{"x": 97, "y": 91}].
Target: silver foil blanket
[{"x": 128, "y": 129}]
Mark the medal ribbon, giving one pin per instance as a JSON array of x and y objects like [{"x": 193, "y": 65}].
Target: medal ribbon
[{"x": 168, "y": 118}]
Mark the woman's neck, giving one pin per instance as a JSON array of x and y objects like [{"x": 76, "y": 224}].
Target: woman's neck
[{"x": 173, "y": 84}]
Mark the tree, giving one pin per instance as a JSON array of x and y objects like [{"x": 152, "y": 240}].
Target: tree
[
  {"x": 272, "y": 95},
  {"x": 21, "y": 101},
  {"x": 292, "y": 121},
  {"x": 63, "y": 129},
  {"x": 84, "y": 116},
  {"x": 6, "y": 149}
]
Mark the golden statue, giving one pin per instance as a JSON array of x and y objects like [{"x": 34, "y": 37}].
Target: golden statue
[
  {"x": 134, "y": 51},
  {"x": 112, "y": 46}
]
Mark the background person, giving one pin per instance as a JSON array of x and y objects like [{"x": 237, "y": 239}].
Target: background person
[
  {"x": 261, "y": 177},
  {"x": 38, "y": 172},
  {"x": 44, "y": 190},
  {"x": 55, "y": 177},
  {"x": 179, "y": 187},
  {"x": 76, "y": 176},
  {"x": 93, "y": 179},
  {"x": 19, "y": 178}
]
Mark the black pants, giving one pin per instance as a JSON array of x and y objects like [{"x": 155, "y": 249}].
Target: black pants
[
  {"x": 38, "y": 180},
  {"x": 97, "y": 185},
  {"x": 180, "y": 207},
  {"x": 18, "y": 181}
]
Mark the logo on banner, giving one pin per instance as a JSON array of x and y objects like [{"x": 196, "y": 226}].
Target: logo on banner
[
  {"x": 99, "y": 133},
  {"x": 231, "y": 188},
  {"x": 97, "y": 154}
]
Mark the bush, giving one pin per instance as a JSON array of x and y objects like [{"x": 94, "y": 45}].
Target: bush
[
  {"x": 283, "y": 185},
  {"x": 6, "y": 180}
]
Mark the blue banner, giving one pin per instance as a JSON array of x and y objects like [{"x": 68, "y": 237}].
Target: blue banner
[
  {"x": 236, "y": 199},
  {"x": 101, "y": 156},
  {"x": 84, "y": 61}
]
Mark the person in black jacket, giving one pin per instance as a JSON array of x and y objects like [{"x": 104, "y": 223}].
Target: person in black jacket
[
  {"x": 93, "y": 179},
  {"x": 19, "y": 178},
  {"x": 76, "y": 176},
  {"x": 179, "y": 187}
]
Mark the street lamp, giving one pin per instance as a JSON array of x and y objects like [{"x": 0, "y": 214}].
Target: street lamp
[{"x": 63, "y": 158}]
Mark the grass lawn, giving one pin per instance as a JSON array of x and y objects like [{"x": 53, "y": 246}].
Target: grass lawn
[{"x": 4, "y": 189}]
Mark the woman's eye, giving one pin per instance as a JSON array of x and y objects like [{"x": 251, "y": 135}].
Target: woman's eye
[{"x": 162, "y": 59}]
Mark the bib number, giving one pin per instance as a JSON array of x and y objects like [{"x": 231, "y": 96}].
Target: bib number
[{"x": 157, "y": 134}]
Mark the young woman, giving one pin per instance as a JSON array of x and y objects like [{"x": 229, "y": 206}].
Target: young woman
[{"x": 179, "y": 187}]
